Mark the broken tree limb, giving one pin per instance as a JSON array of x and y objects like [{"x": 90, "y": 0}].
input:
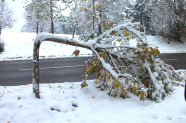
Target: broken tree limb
[
  {"x": 54, "y": 38},
  {"x": 122, "y": 68}
]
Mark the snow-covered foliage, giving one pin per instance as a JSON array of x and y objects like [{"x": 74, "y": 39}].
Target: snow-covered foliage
[
  {"x": 99, "y": 15},
  {"x": 36, "y": 15},
  {"x": 6, "y": 16},
  {"x": 40, "y": 15},
  {"x": 1, "y": 44},
  {"x": 140, "y": 12},
  {"x": 122, "y": 69}
]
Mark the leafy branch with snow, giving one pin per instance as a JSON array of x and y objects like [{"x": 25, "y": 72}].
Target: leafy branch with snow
[{"x": 121, "y": 69}]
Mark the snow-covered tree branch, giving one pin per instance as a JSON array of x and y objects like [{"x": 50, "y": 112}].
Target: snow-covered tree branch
[{"x": 121, "y": 68}]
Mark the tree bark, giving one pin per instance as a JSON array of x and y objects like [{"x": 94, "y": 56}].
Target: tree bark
[
  {"x": 99, "y": 23},
  {"x": 0, "y": 30},
  {"x": 37, "y": 44},
  {"x": 36, "y": 77},
  {"x": 51, "y": 17},
  {"x": 93, "y": 14},
  {"x": 37, "y": 27},
  {"x": 74, "y": 31}
]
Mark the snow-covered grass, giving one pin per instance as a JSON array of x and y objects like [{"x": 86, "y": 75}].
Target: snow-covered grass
[
  {"x": 166, "y": 46},
  {"x": 1, "y": 39},
  {"x": 19, "y": 46},
  {"x": 69, "y": 103}
]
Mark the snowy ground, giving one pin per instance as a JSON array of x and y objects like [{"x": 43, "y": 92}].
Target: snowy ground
[
  {"x": 166, "y": 46},
  {"x": 19, "y": 46},
  {"x": 69, "y": 103}
]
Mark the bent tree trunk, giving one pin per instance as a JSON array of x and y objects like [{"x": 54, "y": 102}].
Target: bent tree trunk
[
  {"x": 121, "y": 68},
  {"x": 37, "y": 42},
  {"x": 0, "y": 29}
]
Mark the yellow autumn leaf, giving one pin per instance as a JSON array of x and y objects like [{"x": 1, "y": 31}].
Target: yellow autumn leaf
[
  {"x": 93, "y": 97},
  {"x": 84, "y": 84},
  {"x": 97, "y": 5},
  {"x": 89, "y": 22},
  {"x": 125, "y": 33},
  {"x": 156, "y": 51},
  {"x": 134, "y": 89},
  {"x": 115, "y": 95}
]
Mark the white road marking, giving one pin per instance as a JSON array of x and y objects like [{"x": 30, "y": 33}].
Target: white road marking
[
  {"x": 170, "y": 59},
  {"x": 47, "y": 68}
]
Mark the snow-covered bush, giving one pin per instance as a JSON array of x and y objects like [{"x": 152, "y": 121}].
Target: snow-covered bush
[
  {"x": 123, "y": 69},
  {"x": 1, "y": 44}
]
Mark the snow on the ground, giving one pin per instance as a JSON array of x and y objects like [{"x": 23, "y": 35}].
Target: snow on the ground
[
  {"x": 166, "y": 46},
  {"x": 19, "y": 46},
  {"x": 69, "y": 103},
  {"x": 1, "y": 40}
]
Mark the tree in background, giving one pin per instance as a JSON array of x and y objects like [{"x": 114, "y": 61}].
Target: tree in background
[
  {"x": 39, "y": 13},
  {"x": 168, "y": 18},
  {"x": 140, "y": 12},
  {"x": 6, "y": 16},
  {"x": 55, "y": 13},
  {"x": 97, "y": 15}
]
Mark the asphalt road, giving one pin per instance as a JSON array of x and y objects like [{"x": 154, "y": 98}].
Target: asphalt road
[
  {"x": 61, "y": 70},
  {"x": 177, "y": 60}
]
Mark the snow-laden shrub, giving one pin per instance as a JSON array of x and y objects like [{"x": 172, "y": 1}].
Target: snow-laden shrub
[
  {"x": 123, "y": 69},
  {"x": 1, "y": 44}
]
